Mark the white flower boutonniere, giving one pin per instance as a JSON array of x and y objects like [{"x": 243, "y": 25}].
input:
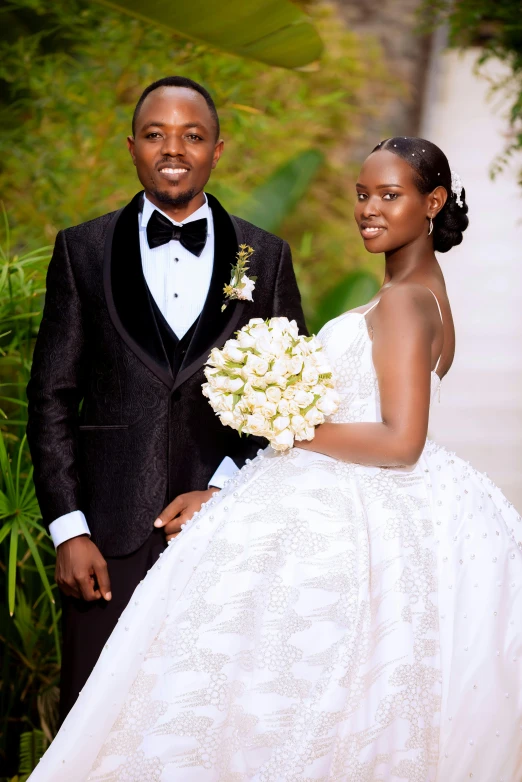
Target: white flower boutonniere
[{"x": 240, "y": 287}]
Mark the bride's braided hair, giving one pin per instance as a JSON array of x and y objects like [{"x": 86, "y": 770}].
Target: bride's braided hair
[{"x": 432, "y": 169}]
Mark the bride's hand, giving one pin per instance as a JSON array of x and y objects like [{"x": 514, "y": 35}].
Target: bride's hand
[{"x": 181, "y": 510}]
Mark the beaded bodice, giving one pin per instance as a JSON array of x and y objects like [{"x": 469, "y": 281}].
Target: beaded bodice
[{"x": 349, "y": 349}]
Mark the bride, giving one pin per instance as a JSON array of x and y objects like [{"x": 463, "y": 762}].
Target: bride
[{"x": 349, "y": 610}]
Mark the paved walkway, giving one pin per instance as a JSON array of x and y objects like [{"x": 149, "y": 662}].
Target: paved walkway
[{"x": 480, "y": 414}]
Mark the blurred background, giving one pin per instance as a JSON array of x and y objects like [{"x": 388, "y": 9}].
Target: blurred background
[{"x": 304, "y": 91}]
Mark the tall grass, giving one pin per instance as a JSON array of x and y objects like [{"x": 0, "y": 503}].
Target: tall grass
[{"x": 29, "y": 618}]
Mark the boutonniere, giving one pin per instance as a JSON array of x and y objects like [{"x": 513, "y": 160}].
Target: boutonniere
[{"x": 241, "y": 286}]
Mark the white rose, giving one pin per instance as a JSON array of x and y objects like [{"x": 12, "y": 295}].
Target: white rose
[
  {"x": 280, "y": 423},
  {"x": 295, "y": 365},
  {"x": 279, "y": 366},
  {"x": 226, "y": 402},
  {"x": 255, "y": 397},
  {"x": 217, "y": 358},
  {"x": 289, "y": 392},
  {"x": 273, "y": 394},
  {"x": 259, "y": 330},
  {"x": 281, "y": 323},
  {"x": 232, "y": 353},
  {"x": 314, "y": 417},
  {"x": 329, "y": 403},
  {"x": 283, "y": 407},
  {"x": 264, "y": 346},
  {"x": 310, "y": 375},
  {"x": 235, "y": 384},
  {"x": 308, "y": 433},
  {"x": 293, "y": 408},
  {"x": 227, "y": 419},
  {"x": 298, "y": 424},
  {"x": 245, "y": 340},
  {"x": 254, "y": 322},
  {"x": 257, "y": 424},
  {"x": 292, "y": 329},
  {"x": 257, "y": 365},
  {"x": 269, "y": 409},
  {"x": 282, "y": 441},
  {"x": 245, "y": 288},
  {"x": 303, "y": 398}
]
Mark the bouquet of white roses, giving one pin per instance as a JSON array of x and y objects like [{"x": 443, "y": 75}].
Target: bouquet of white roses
[{"x": 271, "y": 382}]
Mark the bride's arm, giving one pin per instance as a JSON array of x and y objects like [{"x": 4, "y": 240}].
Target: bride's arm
[{"x": 405, "y": 324}]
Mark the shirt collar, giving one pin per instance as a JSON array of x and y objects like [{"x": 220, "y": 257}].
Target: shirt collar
[{"x": 148, "y": 209}]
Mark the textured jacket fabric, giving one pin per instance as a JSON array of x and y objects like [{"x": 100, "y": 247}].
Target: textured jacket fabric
[{"x": 117, "y": 428}]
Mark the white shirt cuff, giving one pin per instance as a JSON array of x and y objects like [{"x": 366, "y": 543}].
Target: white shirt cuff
[
  {"x": 68, "y": 526},
  {"x": 226, "y": 470}
]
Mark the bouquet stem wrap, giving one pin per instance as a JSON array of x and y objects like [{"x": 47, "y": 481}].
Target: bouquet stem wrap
[{"x": 271, "y": 381}]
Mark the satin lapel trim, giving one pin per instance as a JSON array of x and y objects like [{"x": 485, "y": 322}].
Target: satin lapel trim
[
  {"x": 127, "y": 295},
  {"x": 214, "y": 326}
]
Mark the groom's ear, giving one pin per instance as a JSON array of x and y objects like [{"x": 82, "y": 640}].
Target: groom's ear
[
  {"x": 218, "y": 151},
  {"x": 130, "y": 147}
]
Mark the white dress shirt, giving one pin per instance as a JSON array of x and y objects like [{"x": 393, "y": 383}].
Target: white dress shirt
[{"x": 179, "y": 282}]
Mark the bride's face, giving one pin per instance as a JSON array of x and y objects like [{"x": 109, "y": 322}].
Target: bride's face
[{"x": 390, "y": 211}]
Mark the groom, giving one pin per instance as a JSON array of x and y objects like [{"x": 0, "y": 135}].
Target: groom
[{"x": 124, "y": 445}]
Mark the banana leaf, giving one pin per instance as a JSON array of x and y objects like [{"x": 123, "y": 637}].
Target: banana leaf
[
  {"x": 355, "y": 289},
  {"x": 271, "y": 202},
  {"x": 275, "y": 32}
]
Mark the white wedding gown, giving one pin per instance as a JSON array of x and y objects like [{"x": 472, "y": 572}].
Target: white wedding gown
[{"x": 318, "y": 620}]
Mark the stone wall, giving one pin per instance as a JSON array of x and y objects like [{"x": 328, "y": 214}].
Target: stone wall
[{"x": 394, "y": 24}]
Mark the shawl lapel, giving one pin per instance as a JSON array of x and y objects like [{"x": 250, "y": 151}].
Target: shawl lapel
[
  {"x": 127, "y": 294},
  {"x": 129, "y": 303}
]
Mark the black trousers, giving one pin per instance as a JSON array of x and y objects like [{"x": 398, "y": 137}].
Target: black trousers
[{"x": 87, "y": 626}]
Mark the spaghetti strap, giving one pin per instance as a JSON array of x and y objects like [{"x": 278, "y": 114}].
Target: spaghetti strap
[
  {"x": 371, "y": 308},
  {"x": 438, "y": 305},
  {"x": 442, "y": 321}
]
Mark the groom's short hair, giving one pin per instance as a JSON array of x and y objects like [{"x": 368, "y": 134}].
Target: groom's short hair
[{"x": 177, "y": 81}]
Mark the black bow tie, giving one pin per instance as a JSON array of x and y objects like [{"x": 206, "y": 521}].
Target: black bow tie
[{"x": 193, "y": 235}]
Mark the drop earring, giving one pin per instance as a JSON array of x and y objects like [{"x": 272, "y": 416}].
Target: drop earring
[{"x": 431, "y": 227}]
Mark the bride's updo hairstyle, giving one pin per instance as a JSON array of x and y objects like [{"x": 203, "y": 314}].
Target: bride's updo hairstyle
[{"x": 431, "y": 168}]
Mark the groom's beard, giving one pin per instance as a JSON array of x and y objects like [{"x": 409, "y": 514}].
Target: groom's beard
[{"x": 181, "y": 199}]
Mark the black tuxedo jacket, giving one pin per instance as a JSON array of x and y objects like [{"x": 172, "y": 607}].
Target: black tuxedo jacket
[{"x": 118, "y": 427}]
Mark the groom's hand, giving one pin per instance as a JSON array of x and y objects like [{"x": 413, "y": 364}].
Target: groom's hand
[
  {"x": 181, "y": 510},
  {"x": 81, "y": 571}
]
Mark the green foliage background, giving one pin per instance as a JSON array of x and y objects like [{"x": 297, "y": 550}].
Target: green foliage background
[{"x": 70, "y": 75}]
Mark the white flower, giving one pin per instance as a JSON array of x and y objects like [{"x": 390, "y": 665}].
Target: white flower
[
  {"x": 282, "y": 441},
  {"x": 329, "y": 403},
  {"x": 244, "y": 340},
  {"x": 234, "y": 384},
  {"x": 314, "y": 417},
  {"x": 227, "y": 419},
  {"x": 310, "y": 375},
  {"x": 280, "y": 423},
  {"x": 245, "y": 288},
  {"x": 232, "y": 353},
  {"x": 284, "y": 407},
  {"x": 303, "y": 398},
  {"x": 266, "y": 382},
  {"x": 273, "y": 394},
  {"x": 307, "y": 434},
  {"x": 257, "y": 365},
  {"x": 257, "y": 424},
  {"x": 298, "y": 424},
  {"x": 217, "y": 358}
]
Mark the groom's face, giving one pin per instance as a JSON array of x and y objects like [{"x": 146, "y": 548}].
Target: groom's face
[{"x": 175, "y": 146}]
